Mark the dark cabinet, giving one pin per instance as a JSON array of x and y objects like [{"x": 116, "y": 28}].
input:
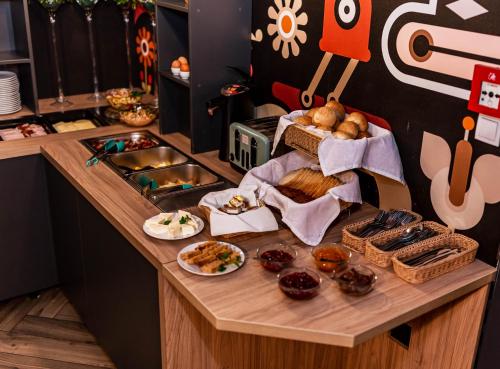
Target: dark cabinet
[
  {"x": 27, "y": 261},
  {"x": 106, "y": 278},
  {"x": 67, "y": 237},
  {"x": 122, "y": 293}
]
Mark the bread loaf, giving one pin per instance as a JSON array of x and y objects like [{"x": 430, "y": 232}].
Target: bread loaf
[
  {"x": 359, "y": 119},
  {"x": 303, "y": 120},
  {"x": 338, "y": 108},
  {"x": 311, "y": 112},
  {"x": 325, "y": 118},
  {"x": 348, "y": 127},
  {"x": 342, "y": 135},
  {"x": 310, "y": 182}
]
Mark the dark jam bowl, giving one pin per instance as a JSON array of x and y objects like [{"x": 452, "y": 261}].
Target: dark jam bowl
[
  {"x": 356, "y": 280},
  {"x": 275, "y": 258},
  {"x": 299, "y": 283}
]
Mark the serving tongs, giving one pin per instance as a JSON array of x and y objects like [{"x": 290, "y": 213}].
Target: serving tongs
[{"x": 110, "y": 147}]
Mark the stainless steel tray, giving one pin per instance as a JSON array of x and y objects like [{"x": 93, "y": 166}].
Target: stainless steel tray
[
  {"x": 170, "y": 179},
  {"x": 131, "y": 139},
  {"x": 147, "y": 159}
]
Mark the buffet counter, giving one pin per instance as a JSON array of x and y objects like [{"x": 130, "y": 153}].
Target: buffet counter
[{"x": 242, "y": 320}]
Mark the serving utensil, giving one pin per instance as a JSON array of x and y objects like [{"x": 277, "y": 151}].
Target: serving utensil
[
  {"x": 385, "y": 220},
  {"x": 409, "y": 236}
]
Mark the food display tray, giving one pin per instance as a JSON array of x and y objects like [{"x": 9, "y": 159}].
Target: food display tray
[
  {"x": 424, "y": 273},
  {"x": 30, "y": 120},
  {"x": 72, "y": 115},
  {"x": 90, "y": 142},
  {"x": 383, "y": 258},
  {"x": 359, "y": 243}
]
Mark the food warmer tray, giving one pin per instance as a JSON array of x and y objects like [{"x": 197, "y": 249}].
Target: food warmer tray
[
  {"x": 31, "y": 120},
  {"x": 72, "y": 115}
]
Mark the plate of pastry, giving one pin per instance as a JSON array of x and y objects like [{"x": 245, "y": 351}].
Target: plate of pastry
[
  {"x": 211, "y": 258},
  {"x": 177, "y": 225}
]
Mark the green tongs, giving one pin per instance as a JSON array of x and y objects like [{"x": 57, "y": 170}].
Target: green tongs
[{"x": 110, "y": 147}]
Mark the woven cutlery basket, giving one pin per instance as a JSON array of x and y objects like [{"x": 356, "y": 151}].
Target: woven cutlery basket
[
  {"x": 383, "y": 258},
  {"x": 416, "y": 274},
  {"x": 359, "y": 243}
]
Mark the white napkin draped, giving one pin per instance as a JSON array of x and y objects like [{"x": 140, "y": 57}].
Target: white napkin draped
[
  {"x": 309, "y": 221},
  {"x": 378, "y": 153},
  {"x": 258, "y": 220}
]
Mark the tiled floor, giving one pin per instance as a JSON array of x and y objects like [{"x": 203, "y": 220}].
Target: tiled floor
[{"x": 45, "y": 332}]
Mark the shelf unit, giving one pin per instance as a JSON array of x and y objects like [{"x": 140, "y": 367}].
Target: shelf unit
[
  {"x": 212, "y": 35},
  {"x": 16, "y": 53}
]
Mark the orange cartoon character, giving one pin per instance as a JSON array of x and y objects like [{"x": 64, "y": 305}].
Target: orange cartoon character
[
  {"x": 346, "y": 28},
  {"x": 346, "y": 32}
]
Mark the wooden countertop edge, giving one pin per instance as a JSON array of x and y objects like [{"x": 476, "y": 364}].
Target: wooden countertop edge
[
  {"x": 32, "y": 146},
  {"x": 335, "y": 339},
  {"x": 158, "y": 264},
  {"x": 484, "y": 280}
]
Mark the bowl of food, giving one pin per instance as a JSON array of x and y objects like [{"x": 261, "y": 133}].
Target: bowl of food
[
  {"x": 299, "y": 283},
  {"x": 355, "y": 280},
  {"x": 331, "y": 257},
  {"x": 140, "y": 116},
  {"x": 123, "y": 98},
  {"x": 276, "y": 257}
]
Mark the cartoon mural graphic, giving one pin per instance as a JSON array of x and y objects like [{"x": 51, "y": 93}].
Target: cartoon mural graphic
[
  {"x": 456, "y": 206},
  {"x": 448, "y": 51},
  {"x": 285, "y": 25},
  {"x": 416, "y": 73}
]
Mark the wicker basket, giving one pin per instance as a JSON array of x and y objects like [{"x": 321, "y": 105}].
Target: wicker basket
[
  {"x": 421, "y": 274},
  {"x": 302, "y": 139},
  {"x": 359, "y": 243},
  {"x": 383, "y": 258}
]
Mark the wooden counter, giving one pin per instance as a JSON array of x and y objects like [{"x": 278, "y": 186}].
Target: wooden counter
[{"x": 242, "y": 320}]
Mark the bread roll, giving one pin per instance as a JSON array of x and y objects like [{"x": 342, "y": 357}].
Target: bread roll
[
  {"x": 325, "y": 118},
  {"x": 311, "y": 112},
  {"x": 342, "y": 135},
  {"x": 310, "y": 182},
  {"x": 338, "y": 108},
  {"x": 348, "y": 127},
  {"x": 303, "y": 120},
  {"x": 359, "y": 119},
  {"x": 364, "y": 134}
]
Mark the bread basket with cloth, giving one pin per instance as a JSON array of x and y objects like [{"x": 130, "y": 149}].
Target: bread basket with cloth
[{"x": 297, "y": 172}]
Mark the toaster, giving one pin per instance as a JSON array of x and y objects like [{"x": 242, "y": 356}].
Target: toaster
[{"x": 251, "y": 142}]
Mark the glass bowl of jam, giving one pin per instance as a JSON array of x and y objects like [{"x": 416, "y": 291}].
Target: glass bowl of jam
[
  {"x": 355, "y": 280},
  {"x": 276, "y": 257},
  {"x": 299, "y": 283},
  {"x": 331, "y": 257}
]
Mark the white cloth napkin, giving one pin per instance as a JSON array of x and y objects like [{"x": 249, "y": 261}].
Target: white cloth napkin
[
  {"x": 258, "y": 220},
  {"x": 309, "y": 221},
  {"x": 378, "y": 153}
]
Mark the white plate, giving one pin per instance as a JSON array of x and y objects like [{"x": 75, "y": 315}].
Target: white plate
[
  {"x": 198, "y": 221},
  {"x": 10, "y": 112},
  {"x": 195, "y": 269}
]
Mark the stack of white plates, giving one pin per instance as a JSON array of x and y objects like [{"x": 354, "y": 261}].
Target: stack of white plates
[{"x": 10, "y": 99}]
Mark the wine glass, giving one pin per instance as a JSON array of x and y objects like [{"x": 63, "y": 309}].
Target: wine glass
[
  {"x": 88, "y": 7},
  {"x": 125, "y": 6},
  {"x": 52, "y": 6},
  {"x": 150, "y": 6}
]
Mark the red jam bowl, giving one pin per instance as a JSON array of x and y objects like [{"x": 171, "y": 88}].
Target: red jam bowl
[
  {"x": 299, "y": 283},
  {"x": 275, "y": 258}
]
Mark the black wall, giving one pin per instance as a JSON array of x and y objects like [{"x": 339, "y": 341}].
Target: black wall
[{"x": 73, "y": 43}]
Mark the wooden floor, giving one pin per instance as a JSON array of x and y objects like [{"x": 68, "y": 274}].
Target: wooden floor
[{"x": 45, "y": 332}]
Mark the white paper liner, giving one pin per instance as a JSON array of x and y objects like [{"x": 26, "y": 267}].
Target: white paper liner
[
  {"x": 378, "y": 153},
  {"x": 258, "y": 220}
]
